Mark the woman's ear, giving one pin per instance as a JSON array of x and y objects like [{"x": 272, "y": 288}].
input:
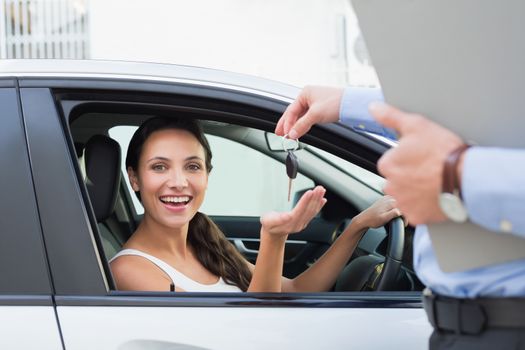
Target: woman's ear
[{"x": 133, "y": 180}]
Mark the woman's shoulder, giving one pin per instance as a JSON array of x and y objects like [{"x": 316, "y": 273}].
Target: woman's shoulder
[{"x": 136, "y": 272}]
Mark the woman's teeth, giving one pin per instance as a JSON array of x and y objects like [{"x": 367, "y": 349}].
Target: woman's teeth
[{"x": 175, "y": 200}]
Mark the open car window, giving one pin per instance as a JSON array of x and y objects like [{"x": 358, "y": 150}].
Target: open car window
[{"x": 247, "y": 180}]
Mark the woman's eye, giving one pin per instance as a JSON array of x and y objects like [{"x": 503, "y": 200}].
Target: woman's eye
[
  {"x": 158, "y": 167},
  {"x": 194, "y": 167}
]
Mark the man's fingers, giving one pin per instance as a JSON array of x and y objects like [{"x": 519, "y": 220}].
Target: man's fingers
[
  {"x": 279, "y": 128},
  {"x": 291, "y": 112},
  {"x": 302, "y": 126},
  {"x": 389, "y": 116},
  {"x": 294, "y": 112}
]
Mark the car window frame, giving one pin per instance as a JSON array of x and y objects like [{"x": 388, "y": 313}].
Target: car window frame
[{"x": 61, "y": 90}]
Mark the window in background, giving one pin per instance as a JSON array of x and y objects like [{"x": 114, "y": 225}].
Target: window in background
[{"x": 44, "y": 29}]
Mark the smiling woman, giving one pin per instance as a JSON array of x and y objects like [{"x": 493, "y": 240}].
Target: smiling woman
[{"x": 177, "y": 247}]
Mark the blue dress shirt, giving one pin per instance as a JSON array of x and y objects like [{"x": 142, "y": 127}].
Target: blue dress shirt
[{"x": 495, "y": 199}]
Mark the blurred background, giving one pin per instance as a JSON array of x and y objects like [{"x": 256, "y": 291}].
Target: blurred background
[{"x": 294, "y": 41}]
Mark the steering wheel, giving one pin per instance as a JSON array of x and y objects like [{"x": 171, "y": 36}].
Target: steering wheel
[{"x": 371, "y": 272}]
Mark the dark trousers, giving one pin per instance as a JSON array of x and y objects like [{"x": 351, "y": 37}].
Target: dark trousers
[
  {"x": 489, "y": 339},
  {"x": 482, "y": 323}
]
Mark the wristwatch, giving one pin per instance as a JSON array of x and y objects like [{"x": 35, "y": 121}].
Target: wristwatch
[{"x": 450, "y": 197}]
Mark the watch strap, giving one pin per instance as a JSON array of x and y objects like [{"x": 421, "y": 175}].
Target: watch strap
[{"x": 450, "y": 177}]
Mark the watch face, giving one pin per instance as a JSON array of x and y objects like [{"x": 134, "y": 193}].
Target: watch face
[{"x": 453, "y": 207}]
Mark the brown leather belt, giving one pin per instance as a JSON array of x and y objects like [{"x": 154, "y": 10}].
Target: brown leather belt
[{"x": 473, "y": 316}]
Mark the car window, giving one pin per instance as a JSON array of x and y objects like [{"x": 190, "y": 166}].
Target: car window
[
  {"x": 252, "y": 182},
  {"x": 248, "y": 179},
  {"x": 373, "y": 180}
]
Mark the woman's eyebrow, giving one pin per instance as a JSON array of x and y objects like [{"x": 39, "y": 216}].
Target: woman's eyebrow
[
  {"x": 194, "y": 158},
  {"x": 158, "y": 158},
  {"x": 168, "y": 159}
]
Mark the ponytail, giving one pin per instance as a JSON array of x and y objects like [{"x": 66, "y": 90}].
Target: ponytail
[{"x": 216, "y": 253}]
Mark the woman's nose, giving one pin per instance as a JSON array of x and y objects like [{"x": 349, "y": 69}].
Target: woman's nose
[{"x": 177, "y": 179}]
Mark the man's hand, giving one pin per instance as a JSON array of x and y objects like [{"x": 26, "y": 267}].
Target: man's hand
[
  {"x": 414, "y": 169},
  {"x": 315, "y": 104}
]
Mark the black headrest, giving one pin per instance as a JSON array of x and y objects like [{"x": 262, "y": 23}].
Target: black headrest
[{"x": 102, "y": 160}]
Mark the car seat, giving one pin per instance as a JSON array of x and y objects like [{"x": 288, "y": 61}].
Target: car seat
[{"x": 102, "y": 167}]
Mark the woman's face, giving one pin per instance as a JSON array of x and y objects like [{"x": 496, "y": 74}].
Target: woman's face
[{"x": 171, "y": 177}]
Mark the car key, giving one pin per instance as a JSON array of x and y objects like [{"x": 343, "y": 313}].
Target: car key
[{"x": 291, "y": 170}]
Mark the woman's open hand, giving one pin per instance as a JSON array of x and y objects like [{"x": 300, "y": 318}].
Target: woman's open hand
[
  {"x": 282, "y": 224},
  {"x": 379, "y": 213}
]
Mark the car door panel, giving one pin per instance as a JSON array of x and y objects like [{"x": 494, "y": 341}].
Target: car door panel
[
  {"x": 244, "y": 325},
  {"x": 40, "y": 322}
]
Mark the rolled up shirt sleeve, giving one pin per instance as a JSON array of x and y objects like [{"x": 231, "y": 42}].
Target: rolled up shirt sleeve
[
  {"x": 493, "y": 188},
  {"x": 354, "y": 110}
]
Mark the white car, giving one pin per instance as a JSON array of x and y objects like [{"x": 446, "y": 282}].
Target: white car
[{"x": 60, "y": 226}]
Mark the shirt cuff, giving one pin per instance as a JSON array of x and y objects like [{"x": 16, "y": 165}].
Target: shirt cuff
[{"x": 493, "y": 188}]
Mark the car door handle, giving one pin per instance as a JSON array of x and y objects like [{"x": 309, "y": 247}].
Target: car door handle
[{"x": 239, "y": 244}]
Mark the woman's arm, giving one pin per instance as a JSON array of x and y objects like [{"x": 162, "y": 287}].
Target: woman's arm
[
  {"x": 268, "y": 269},
  {"x": 322, "y": 275}
]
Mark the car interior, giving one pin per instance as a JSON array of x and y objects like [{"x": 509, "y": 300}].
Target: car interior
[{"x": 98, "y": 156}]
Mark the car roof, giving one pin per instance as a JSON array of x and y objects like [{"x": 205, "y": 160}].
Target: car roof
[
  {"x": 152, "y": 72},
  {"x": 159, "y": 72}
]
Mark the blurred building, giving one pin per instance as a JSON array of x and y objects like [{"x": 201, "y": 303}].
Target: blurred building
[
  {"x": 44, "y": 29},
  {"x": 295, "y": 41}
]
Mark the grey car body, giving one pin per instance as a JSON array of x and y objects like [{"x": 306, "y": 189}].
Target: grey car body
[{"x": 56, "y": 284}]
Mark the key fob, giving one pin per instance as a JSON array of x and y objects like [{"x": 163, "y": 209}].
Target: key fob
[{"x": 291, "y": 165}]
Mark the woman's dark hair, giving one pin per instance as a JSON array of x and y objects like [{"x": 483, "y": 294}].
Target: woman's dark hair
[{"x": 211, "y": 246}]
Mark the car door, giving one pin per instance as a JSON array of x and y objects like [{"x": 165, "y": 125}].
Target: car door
[
  {"x": 92, "y": 314},
  {"x": 27, "y": 314}
]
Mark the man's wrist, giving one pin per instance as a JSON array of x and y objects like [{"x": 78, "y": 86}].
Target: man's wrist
[
  {"x": 450, "y": 198},
  {"x": 452, "y": 169}
]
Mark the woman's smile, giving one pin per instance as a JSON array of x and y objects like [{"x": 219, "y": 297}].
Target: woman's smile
[{"x": 176, "y": 203}]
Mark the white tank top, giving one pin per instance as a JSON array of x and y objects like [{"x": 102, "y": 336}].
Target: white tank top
[{"x": 180, "y": 280}]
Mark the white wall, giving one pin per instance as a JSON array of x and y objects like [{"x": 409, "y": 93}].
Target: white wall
[{"x": 296, "y": 41}]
